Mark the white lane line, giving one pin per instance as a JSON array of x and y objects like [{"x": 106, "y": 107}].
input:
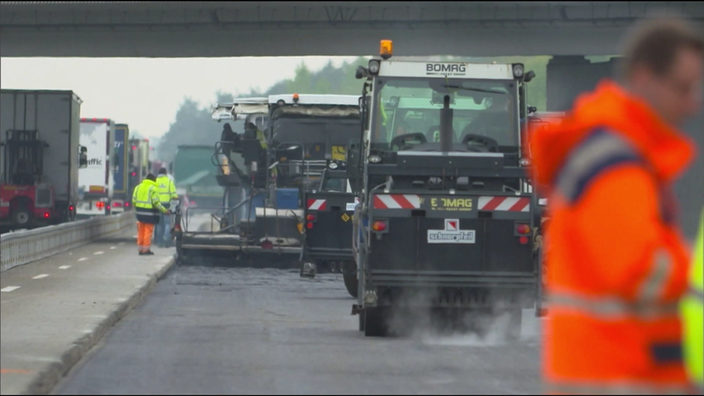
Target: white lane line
[
  {"x": 97, "y": 253},
  {"x": 113, "y": 247},
  {"x": 135, "y": 237},
  {"x": 83, "y": 259},
  {"x": 41, "y": 276},
  {"x": 9, "y": 289},
  {"x": 121, "y": 243},
  {"x": 64, "y": 267}
]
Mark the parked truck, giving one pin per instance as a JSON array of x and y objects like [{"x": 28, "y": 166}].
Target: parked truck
[
  {"x": 95, "y": 182},
  {"x": 41, "y": 156},
  {"x": 121, "y": 195},
  {"x": 139, "y": 164}
]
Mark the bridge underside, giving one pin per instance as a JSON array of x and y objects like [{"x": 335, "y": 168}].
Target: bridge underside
[{"x": 224, "y": 29}]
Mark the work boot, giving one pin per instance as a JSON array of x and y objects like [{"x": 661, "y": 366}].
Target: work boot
[{"x": 148, "y": 253}]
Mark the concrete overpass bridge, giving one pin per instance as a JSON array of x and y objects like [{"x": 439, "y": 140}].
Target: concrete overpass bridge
[
  {"x": 568, "y": 31},
  {"x": 291, "y": 28}
]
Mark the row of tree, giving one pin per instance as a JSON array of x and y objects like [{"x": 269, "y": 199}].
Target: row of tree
[{"x": 194, "y": 126}]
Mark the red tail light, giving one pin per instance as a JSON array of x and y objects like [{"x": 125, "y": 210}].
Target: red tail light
[
  {"x": 108, "y": 207},
  {"x": 379, "y": 226},
  {"x": 523, "y": 240},
  {"x": 70, "y": 208},
  {"x": 127, "y": 204},
  {"x": 100, "y": 205},
  {"x": 267, "y": 245},
  {"x": 46, "y": 215},
  {"x": 309, "y": 225},
  {"x": 134, "y": 173},
  {"x": 310, "y": 217},
  {"x": 523, "y": 229},
  {"x": 117, "y": 205}
]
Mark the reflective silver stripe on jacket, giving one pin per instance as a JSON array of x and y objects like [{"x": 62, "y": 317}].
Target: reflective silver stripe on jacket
[
  {"x": 599, "y": 149},
  {"x": 612, "y": 308},
  {"x": 696, "y": 294},
  {"x": 657, "y": 279}
]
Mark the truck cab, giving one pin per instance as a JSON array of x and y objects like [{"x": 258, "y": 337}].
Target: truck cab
[{"x": 447, "y": 217}]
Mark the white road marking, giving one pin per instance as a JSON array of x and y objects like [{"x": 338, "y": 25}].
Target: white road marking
[
  {"x": 97, "y": 253},
  {"x": 9, "y": 289},
  {"x": 113, "y": 247},
  {"x": 121, "y": 243},
  {"x": 83, "y": 259},
  {"x": 63, "y": 267},
  {"x": 135, "y": 237},
  {"x": 41, "y": 276}
]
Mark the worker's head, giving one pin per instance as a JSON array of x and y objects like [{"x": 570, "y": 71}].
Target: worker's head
[
  {"x": 250, "y": 126},
  {"x": 663, "y": 65},
  {"x": 162, "y": 171},
  {"x": 151, "y": 177},
  {"x": 227, "y": 127}
]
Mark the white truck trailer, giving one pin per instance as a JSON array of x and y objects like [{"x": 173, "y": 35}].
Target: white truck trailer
[{"x": 95, "y": 182}]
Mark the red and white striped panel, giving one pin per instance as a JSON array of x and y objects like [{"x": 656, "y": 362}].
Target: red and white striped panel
[
  {"x": 396, "y": 201},
  {"x": 504, "y": 204},
  {"x": 316, "y": 204}
]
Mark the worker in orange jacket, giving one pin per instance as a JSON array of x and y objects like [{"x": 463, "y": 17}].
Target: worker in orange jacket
[{"x": 618, "y": 264}]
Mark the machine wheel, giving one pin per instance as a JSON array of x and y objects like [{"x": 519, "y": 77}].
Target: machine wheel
[
  {"x": 22, "y": 217},
  {"x": 349, "y": 275},
  {"x": 374, "y": 322}
]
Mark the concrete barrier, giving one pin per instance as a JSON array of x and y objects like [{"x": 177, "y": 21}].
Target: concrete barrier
[{"x": 25, "y": 246}]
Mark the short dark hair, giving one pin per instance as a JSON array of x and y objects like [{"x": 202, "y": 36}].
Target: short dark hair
[
  {"x": 162, "y": 171},
  {"x": 655, "y": 43},
  {"x": 151, "y": 177}
]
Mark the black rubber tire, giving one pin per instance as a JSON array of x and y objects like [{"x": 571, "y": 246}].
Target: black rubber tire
[
  {"x": 375, "y": 322},
  {"x": 22, "y": 217}
]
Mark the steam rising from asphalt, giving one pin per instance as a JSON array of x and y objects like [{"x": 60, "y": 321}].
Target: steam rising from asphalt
[{"x": 449, "y": 328}]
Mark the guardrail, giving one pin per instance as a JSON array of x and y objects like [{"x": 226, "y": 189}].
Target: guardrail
[{"x": 25, "y": 246}]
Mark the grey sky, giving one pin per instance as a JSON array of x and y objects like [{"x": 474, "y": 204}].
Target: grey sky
[{"x": 145, "y": 92}]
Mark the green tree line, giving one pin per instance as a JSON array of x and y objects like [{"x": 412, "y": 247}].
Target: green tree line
[{"x": 194, "y": 126}]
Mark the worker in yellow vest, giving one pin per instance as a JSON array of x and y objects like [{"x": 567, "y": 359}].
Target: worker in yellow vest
[
  {"x": 145, "y": 201},
  {"x": 692, "y": 309},
  {"x": 167, "y": 192}
]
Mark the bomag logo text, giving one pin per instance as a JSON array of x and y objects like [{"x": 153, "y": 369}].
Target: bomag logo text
[
  {"x": 451, "y": 204},
  {"x": 446, "y": 68}
]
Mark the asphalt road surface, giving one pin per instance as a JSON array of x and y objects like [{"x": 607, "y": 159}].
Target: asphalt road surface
[{"x": 243, "y": 331}]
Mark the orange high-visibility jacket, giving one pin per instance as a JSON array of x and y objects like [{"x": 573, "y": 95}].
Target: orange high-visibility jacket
[{"x": 617, "y": 264}]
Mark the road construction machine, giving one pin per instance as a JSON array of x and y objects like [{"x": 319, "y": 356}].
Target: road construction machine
[
  {"x": 288, "y": 142},
  {"x": 447, "y": 219}
]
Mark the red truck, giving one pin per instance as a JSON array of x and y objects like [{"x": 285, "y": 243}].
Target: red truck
[{"x": 41, "y": 155}]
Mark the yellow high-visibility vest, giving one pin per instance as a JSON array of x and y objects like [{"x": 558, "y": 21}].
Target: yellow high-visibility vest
[
  {"x": 165, "y": 189},
  {"x": 692, "y": 310}
]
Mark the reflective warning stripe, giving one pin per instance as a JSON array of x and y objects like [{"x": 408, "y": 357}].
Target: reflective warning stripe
[
  {"x": 316, "y": 204},
  {"x": 610, "y": 308},
  {"x": 396, "y": 201},
  {"x": 601, "y": 150},
  {"x": 655, "y": 283},
  {"x": 615, "y": 388},
  {"x": 504, "y": 204},
  {"x": 696, "y": 294}
]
